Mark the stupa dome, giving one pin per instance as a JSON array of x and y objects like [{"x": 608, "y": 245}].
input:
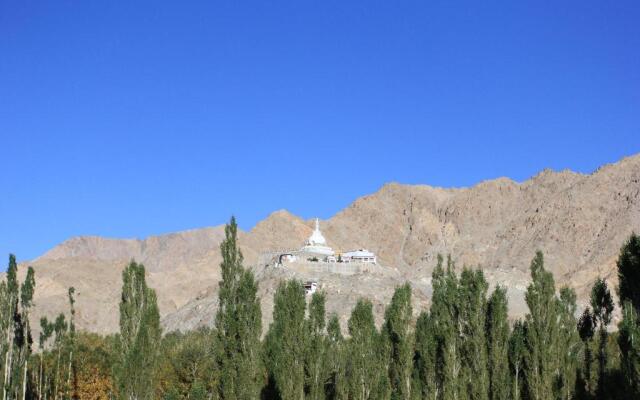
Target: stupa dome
[
  {"x": 316, "y": 237},
  {"x": 317, "y": 244}
]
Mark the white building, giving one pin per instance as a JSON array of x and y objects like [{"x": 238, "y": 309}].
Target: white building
[
  {"x": 317, "y": 245},
  {"x": 310, "y": 287},
  {"x": 286, "y": 257},
  {"x": 360, "y": 255}
]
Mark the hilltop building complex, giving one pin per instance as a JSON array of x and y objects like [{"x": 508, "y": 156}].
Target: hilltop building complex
[{"x": 316, "y": 249}]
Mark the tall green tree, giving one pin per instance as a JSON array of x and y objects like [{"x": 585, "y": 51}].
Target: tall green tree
[
  {"x": 445, "y": 312},
  {"x": 629, "y": 343},
  {"x": 316, "y": 348},
  {"x": 629, "y": 328},
  {"x": 602, "y": 305},
  {"x": 139, "y": 338},
  {"x": 27, "y": 290},
  {"x": 15, "y": 304},
  {"x": 336, "y": 362},
  {"x": 286, "y": 341},
  {"x": 517, "y": 349},
  {"x": 10, "y": 297},
  {"x": 628, "y": 265},
  {"x": 568, "y": 345},
  {"x": 60, "y": 328},
  {"x": 46, "y": 331},
  {"x": 238, "y": 324},
  {"x": 542, "y": 333},
  {"x": 425, "y": 359},
  {"x": 396, "y": 330},
  {"x": 473, "y": 347},
  {"x": 586, "y": 330},
  {"x": 367, "y": 356},
  {"x": 498, "y": 345}
]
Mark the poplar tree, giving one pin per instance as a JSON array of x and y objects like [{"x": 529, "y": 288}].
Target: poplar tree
[
  {"x": 46, "y": 330},
  {"x": 286, "y": 341},
  {"x": 396, "y": 331},
  {"x": 473, "y": 347},
  {"x": 445, "y": 310},
  {"x": 238, "y": 324},
  {"x": 568, "y": 345},
  {"x": 602, "y": 305},
  {"x": 629, "y": 343},
  {"x": 5, "y": 323},
  {"x": 498, "y": 345},
  {"x": 60, "y": 327},
  {"x": 139, "y": 338},
  {"x": 316, "y": 349},
  {"x": 517, "y": 349},
  {"x": 586, "y": 330},
  {"x": 15, "y": 304},
  {"x": 10, "y": 296},
  {"x": 336, "y": 365},
  {"x": 541, "y": 361},
  {"x": 367, "y": 355},
  {"x": 425, "y": 362},
  {"x": 25, "y": 341},
  {"x": 628, "y": 265}
]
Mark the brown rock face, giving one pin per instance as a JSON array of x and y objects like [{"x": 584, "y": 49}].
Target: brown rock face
[{"x": 578, "y": 221}]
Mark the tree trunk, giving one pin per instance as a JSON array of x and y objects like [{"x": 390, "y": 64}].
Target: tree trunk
[
  {"x": 40, "y": 386},
  {"x": 516, "y": 393},
  {"x": 6, "y": 368},
  {"x": 55, "y": 377},
  {"x": 69, "y": 373},
  {"x": 24, "y": 378}
]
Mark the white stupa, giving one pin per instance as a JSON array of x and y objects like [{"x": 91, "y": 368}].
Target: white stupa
[{"x": 316, "y": 244}]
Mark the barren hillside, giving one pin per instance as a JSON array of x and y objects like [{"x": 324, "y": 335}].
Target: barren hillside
[{"x": 579, "y": 221}]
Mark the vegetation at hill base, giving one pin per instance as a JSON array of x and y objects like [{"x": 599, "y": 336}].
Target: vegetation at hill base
[{"x": 463, "y": 347}]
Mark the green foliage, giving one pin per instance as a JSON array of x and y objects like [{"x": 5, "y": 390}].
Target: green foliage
[
  {"x": 366, "y": 356},
  {"x": 542, "y": 333},
  {"x": 238, "y": 324},
  {"x": 586, "y": 329},
  {"x": 629, "y": 343},
  {"x": 286, "y": 341},
  {"x": 396, "y": 331},
  {"x": 602, "y": 304},
  {"x": 316, "y": 348},
  {"x": 425, "y": 361},
  {"x": 139, "y": 337},
  {"x": 517, "y": 349},
  {"x": 629, "y": 272},
  {"x": 188, "y": 364},
  {"x": 497, "y": 342},
  {"x": 473, "y": 342},
  {"x": 15, "y": 343},
  {"x": 568, "y": 345},
  {"x": 336, "y": 385},
  {"x": 198, "y": 391},
  {"x": 629, "y": 328},
  {"x": 445, "y": 312}
]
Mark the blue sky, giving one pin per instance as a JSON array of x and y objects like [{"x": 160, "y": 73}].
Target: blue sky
[{"x": 126, "y": 119}]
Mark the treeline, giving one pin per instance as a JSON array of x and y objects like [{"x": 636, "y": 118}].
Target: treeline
[{"x": 463, "y": 347}]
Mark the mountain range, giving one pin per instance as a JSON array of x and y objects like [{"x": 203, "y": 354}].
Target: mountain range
[{"x": 579, "y": 221}]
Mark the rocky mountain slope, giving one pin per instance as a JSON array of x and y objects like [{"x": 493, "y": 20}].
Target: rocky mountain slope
[{"x": 579, "y": 221}]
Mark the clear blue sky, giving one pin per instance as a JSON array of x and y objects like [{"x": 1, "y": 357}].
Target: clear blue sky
[{"x": 126, "y": 119}]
